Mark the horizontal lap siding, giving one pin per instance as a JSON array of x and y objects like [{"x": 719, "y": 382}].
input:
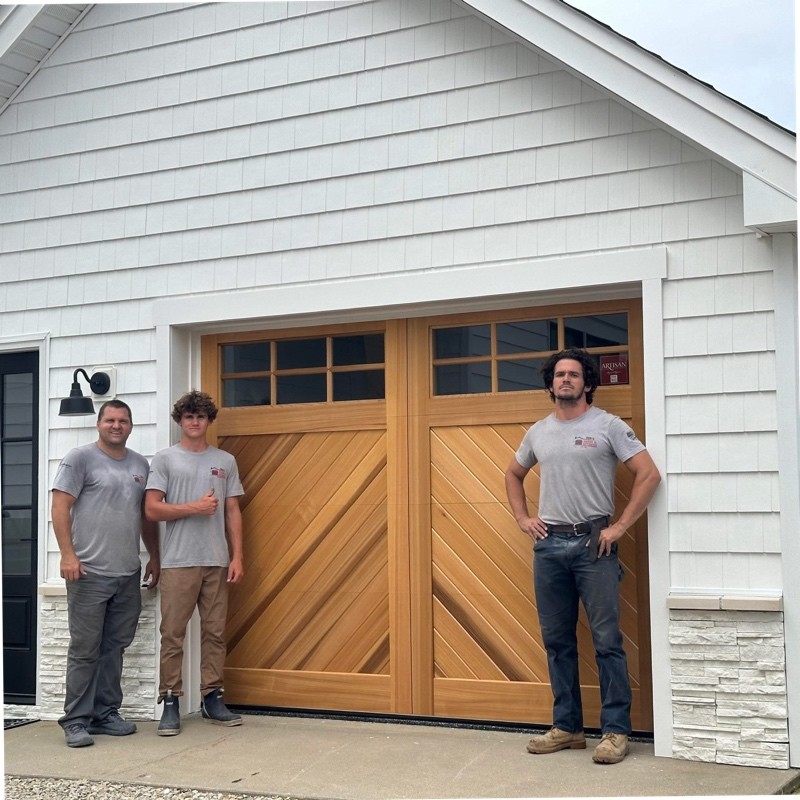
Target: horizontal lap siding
[
  {"x": 408, "y": 177},
  {"x": 721, "y": 416},
  {"x": 178, "y": 150}
]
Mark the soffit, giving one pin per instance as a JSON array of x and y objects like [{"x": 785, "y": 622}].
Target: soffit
[{"x": 27, "y": 34}]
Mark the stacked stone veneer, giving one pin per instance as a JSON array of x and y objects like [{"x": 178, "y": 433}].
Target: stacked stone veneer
[
  {"x": 728, "y": 680},
  {"x": 729, "y": 687},
  {"x": 138, "y": 673}
]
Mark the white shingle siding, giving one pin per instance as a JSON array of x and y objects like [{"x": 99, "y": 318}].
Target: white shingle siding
[
  {"x": 160, "y": 144},
  {"x": 171, "y": 150}
]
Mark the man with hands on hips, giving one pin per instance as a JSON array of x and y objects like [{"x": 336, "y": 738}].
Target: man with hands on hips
[{"x": 578, "y": 448}]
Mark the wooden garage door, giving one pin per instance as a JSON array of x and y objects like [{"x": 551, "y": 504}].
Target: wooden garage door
[
  {"x": 468, "y": 416},
  {"x": 384, "y": 571},
  {"x": 318, "y": 619}
]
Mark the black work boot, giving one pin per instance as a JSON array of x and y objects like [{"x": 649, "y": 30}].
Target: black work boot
[
  {"x": 170, "y": 724},
  {"x": 214, "y": 710}
]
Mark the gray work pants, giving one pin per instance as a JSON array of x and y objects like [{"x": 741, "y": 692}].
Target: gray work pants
[{"x": 103, "y": 613}]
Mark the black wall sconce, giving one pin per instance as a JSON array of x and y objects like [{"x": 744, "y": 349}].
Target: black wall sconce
[{"x": 76, "y": 405}]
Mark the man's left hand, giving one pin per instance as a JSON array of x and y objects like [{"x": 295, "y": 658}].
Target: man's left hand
[
  {"x": 152, "y": 573},
  {"x": 608, "y": 536},
  {"x": 235, "y": 571}
]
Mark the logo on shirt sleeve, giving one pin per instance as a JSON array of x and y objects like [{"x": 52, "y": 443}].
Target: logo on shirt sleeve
[{"x": 585, "y": 441}]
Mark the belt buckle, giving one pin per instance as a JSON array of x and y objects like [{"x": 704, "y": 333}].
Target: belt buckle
[{"x": 575, "y": 526}]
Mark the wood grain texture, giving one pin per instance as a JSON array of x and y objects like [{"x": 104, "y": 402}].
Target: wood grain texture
[{"x": 384, "y": 570}]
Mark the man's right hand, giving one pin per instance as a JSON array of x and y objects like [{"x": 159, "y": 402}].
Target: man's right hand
[
  {"x": 71, "y": 568},
  {"x": 207, "y": 505},
  {"x": 533, "y": 526}
]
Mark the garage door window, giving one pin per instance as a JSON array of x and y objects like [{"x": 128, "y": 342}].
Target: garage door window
[
  {"x": 508, "y": 356},
  {"x": 324, "y": 369}
]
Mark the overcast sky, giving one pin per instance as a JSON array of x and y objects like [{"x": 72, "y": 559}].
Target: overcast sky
[{"x": 744, "y": 48}]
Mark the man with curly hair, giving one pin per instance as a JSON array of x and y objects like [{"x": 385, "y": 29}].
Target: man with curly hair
[
  {"x": 577, "y": 448},
  {"x": 194, "y": 488}
]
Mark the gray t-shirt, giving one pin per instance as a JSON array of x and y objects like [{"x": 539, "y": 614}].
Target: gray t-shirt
[
  {"x": 578, "y": 459},
  {"x": 185, "y": 476},
  {"x": 107, "y": 512}
]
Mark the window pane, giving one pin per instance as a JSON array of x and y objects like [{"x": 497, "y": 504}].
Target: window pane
[
  {"x": 301, "y": 388},
  {"x": 362, "y": 385},
  {"x": 246, "y": 357},
  {"x": 301, "y": 354},
  {"x": 245, "y": 392},
  {"x": 469, "y": 340},
  {"x": 463, "y": 378},
  {"x": 535, "y": 335},
  {"x": 520, "y": 375},
  {"x": 17, "y": 470},
  {"x": 17, "y": 543},
  {"x": 18, "y": 406},
  {"x": 603, "y": 330},
  {"x": 366, "y": 349}
]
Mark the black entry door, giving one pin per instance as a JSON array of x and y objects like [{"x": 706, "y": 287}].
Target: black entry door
[{"x": 19, "y": 401}]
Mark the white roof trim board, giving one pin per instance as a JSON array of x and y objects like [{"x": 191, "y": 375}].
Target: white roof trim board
[
  {"x": 28, "y": 34},
  {"x": 691, "y": 109}
]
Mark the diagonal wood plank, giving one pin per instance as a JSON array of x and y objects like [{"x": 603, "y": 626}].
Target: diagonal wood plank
[
  {"x": 328, "y": 620},
  {"x": 457, "y": 654},
  {"x": 361, "y": 486},
  {"x": 338, "y": 558},
  {"x": 490, "y": 626}
]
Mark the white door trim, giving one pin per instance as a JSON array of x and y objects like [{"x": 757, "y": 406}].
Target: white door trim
[{"x": 181, "y": 321}]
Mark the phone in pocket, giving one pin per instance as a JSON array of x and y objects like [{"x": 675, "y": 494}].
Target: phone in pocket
[{"x": 594, "y": 541}]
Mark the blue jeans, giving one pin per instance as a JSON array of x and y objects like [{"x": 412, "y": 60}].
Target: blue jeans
[
  {"x": 103, "y": 613},
  {"x": 563, "y": 574}
]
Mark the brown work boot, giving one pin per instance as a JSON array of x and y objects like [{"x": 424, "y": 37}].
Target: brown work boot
[
  {"x": 555, "y": 740},
  {"x": 612, "y": 749}
]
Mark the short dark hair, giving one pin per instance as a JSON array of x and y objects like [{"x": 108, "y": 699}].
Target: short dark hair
[
  {"x": 114, "y": 404},
  {"x": 194, "y": 402},
  {"x": 590, "y": 376}
]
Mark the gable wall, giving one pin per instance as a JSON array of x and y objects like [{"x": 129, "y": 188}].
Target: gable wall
[{"x": 178, "y": 150}]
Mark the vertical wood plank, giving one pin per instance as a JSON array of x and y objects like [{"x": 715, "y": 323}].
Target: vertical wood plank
[
  {"x": 420, "y": 555},
  {"x": 400, "y": 625}
]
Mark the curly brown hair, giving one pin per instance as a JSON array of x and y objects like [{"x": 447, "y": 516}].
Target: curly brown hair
[
  {"x": 590, "y": 375},
  {"x": 194, "y": 402}
]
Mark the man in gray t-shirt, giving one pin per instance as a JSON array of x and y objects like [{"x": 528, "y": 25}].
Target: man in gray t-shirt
[
  {"x": 98, "y": 518},
  {"x": 577, "y": 448},
  {"x": 194, "y": 488}
]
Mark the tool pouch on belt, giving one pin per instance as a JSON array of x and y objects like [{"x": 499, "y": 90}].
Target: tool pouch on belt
[{"x": 594, "y": 537}]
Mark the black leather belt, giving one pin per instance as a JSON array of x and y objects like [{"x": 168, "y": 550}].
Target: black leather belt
[{"x": 579, "y": 528}]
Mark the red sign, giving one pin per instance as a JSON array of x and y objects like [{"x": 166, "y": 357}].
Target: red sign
[{"x": 613, "y": 369}]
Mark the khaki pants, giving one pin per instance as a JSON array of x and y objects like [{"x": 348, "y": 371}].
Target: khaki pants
[{"x": 183, "y": 589}]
